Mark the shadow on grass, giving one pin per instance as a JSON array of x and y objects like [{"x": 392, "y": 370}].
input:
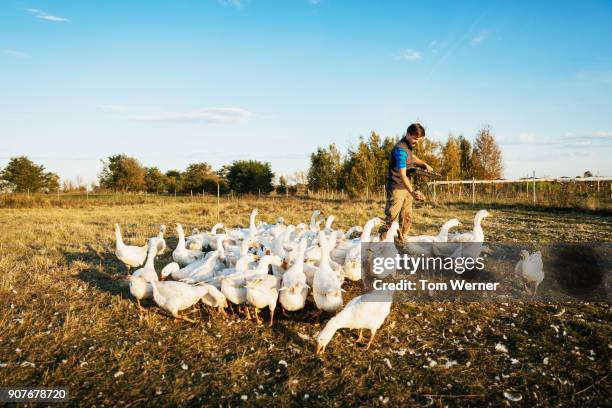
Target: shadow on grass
[{"x": 101, "y": 270}]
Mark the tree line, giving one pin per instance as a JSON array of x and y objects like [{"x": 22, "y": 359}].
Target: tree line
[
  {"x": 124, "y": 173},
  {"x": 362, "y": 167},
  {"x": 365, "y": 165}
]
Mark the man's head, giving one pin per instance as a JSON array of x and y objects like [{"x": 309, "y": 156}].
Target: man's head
[{"x": 415, "y": 132}]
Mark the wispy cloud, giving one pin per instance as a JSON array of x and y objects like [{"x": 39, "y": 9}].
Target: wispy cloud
[
  {"x": 480, "y": 37},
  {"x": 234, "y": 3},
  {"x": 207, "y": 116},
  {"x": 408, "y": 55},
  {"x": 569, "y": 140},
  {"x": 315, "y": 2},
  {"x": 527, "y": 137},
  {"x": 46, "y": 16},
  {"x": 16, "y": 54}
]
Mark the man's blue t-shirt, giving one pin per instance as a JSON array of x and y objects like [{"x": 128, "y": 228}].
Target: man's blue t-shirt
[{"x": 400, "y": 157}]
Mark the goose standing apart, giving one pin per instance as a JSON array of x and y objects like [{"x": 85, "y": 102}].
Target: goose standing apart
[
  {"x": 326, "y": 288},
  {"x": 132, "y": 256},
  {"x": 363, "y": 312},
  {"x": 176, "y": 296},
  {"x": 158, "y": 241},
  {"x": 181, "y": 254},
  {"x": 530, "y": 268},
  {"x": 262, "y": 292},
  {"x": 294, "y": 289}
]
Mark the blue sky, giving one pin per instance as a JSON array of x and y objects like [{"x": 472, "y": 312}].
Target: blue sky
[{"x": 176, "y": 82}]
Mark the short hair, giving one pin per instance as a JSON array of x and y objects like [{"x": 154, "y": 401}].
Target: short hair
[{"x": 416, "y": 129}]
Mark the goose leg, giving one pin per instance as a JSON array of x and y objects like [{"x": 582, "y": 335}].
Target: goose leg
[
  {"x": 257, "y": 318},
  {"x": 371, "y": 339},
  {"x": 248, "y": 313},
  {"x": 271, "y": 317},
  {"x": 177, "y": 316},
  {"x": 139, "y": 309},
  {"x": 360, "y": 338}
]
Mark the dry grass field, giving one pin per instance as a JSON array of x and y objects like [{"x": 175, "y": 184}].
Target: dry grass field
[{"x": 66, "y": 319}]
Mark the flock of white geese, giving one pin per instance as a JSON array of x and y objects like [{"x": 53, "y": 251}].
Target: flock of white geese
[{"x": 265, "y": 264}]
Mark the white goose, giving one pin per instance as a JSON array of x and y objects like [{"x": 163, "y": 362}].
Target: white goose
[
  {"x": 147, "y": 272},
  {"x": 476, "y": 235},
  {"x": 181, "y": 254},
  {"x": 214, "y": 297},
  {"x": 341, "y": 250},
  {"x": 132, "y": 256},
  {"x": 352, "y": 252},
  {"x": 201, "y": 240},
  {"x": 158, "y": 241},
  {"x": 176, "y": 296},
  {"x": 326, "y": 288},
  {"x": 363, "y": 312},
  {"x": 471, "y": 240},
  {"x": 530, "y": 268},
  {"x": 294, "y": 289},
  {"x": 233, "y": 286},
  {"x": 424, "y": 244},
  {"x": 261, "y": 292}
]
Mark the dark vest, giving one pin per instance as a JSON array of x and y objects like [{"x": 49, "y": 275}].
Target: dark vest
[{"x": 394, "y": 178}]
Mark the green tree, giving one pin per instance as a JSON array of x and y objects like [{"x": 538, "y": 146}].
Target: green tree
[
  {"x": 52, "y": 182},
  {"x": 465, "y": 150},
  {"x": 359, "y": 169},
  {"x": 155, "y": 180},
  {"x": 250, "y": 176},
  {"x": 200, "y": 177},
  {"x": 22, "y": 174},
  {"x": 451, "y": 159},
  {"x": 174, "y": 181},
  {"x": 325, "y": 169},
  {"x": 122, "y": 173},
  {"x": 281, "y": 187},
  {"x": 487, "y": 162}
]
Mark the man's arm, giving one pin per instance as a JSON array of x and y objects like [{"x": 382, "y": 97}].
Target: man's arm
[
  {"x": 406, "y": 181},
  {"x": 420, "y": 163}
]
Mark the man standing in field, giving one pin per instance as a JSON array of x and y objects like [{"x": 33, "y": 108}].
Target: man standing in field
[{"x": 400, "y": 192}]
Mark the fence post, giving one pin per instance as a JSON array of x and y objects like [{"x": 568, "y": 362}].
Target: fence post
[
  {"x": 473, "y": 191},
  {"x": 434, "y": 191},
  {"x": 191, "y": 193},
  {"x": 259, "y": 193},
  {"x": 534, "y": 185},
  {"x": 218, "y": 201},
  {"x": 367, "y": 193}
]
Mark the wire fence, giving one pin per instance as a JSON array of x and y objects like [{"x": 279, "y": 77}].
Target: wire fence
[{"x": 589, "y": 193}]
